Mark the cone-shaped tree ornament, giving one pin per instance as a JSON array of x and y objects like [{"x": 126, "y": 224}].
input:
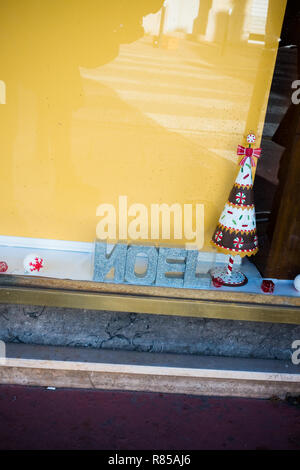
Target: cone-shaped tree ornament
[{"x": 236, "y": 230}]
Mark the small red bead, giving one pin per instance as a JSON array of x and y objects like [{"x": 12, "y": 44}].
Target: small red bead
[
  {"x": 267, "y": 286},
  {"x": 217, "y": 282},
  {"x": 3, "y": 267}
]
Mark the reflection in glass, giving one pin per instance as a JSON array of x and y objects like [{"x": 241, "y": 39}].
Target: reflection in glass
[{"x": 95, "y": 109}]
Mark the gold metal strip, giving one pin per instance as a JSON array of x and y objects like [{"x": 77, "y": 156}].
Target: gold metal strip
[{"x": 151, "y": 305}]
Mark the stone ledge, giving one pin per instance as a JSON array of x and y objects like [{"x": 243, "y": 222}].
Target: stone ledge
[
  {"x": 164, "y": 373},
  {"x": 105, "y": 330}
]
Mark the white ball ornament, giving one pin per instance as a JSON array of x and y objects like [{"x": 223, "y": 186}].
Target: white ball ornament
[
  {"x": 33, "y": 263},
  {"x": 251, "y": 138},
  {"x": 297, "y": 283}
]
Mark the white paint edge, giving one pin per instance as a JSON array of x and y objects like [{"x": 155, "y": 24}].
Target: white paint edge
[
  {"x": 88, "y": 247},
  {"x": 46, "y": 244}
]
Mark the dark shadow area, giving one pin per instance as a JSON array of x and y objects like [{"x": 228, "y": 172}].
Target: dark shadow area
[{"x": 279, "y": 130}]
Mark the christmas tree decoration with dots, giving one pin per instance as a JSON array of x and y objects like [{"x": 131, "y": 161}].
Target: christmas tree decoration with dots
[{"x": 235, "y": 233}]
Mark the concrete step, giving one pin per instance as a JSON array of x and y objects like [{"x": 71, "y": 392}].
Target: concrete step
[{"x": 67, "y": 367}]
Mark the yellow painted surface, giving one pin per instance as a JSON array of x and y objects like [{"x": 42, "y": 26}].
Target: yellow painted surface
[{"x": 86, "y": 120}]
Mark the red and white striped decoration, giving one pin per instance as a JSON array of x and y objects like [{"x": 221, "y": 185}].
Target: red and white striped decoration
[
  {"x": 238, "y": 242},
  {"x": 219, "y": 236},
  {"x": 240, "y": 197},
  {"x": 230, "y": 264}
]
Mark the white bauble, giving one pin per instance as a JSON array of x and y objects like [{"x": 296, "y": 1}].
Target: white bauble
[
  {"x": 297, "y": 283},
  {"x": 33, "y": 263}
]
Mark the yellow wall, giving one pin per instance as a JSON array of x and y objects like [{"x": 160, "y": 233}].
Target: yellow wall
[{"x": 86, "y": 120}]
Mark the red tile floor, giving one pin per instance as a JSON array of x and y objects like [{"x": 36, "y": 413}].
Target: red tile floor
[{"x": 37, "y": 418}]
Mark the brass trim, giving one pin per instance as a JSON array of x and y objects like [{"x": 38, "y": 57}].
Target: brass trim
[{"x": 230, "y": 310}]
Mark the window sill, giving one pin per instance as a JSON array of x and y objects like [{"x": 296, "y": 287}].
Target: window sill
[{"x": 213, "y": 303}]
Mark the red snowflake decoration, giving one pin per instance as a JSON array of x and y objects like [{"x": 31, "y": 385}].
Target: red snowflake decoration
[
  {"x": 37, "y": 265},
  {"x": 240, "y": 197},
  {"x": 238, "y": 242},
  {"x": 218, "y": 236}
]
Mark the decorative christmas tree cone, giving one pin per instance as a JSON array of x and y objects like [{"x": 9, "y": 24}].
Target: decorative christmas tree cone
[{"x": 235, "y": 233}]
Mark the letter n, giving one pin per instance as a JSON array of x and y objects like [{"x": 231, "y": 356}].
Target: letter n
[{"x": 104, "y": 263}]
